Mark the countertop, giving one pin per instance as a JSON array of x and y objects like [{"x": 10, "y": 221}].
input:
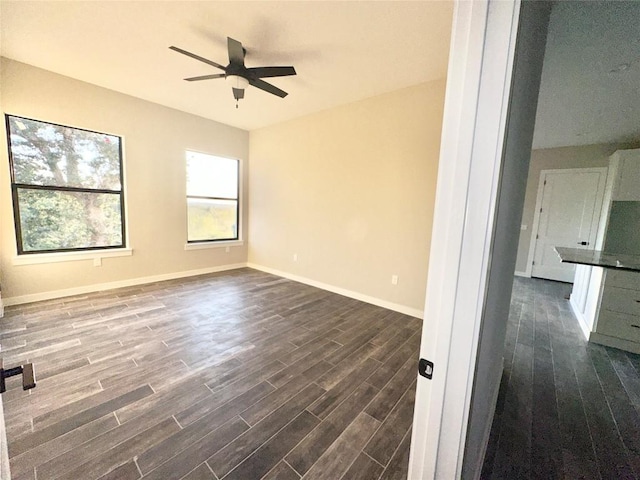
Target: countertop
[{"x": 598, "y": 258}]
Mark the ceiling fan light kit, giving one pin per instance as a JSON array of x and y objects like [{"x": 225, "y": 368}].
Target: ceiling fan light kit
[
  {"x": 237, "y": 74},
  {"x": 236, "y": 81}
]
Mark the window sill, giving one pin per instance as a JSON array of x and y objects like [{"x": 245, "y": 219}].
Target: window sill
[
  {"x": 38, "y": 258},
  {"x": 221, "y": 244}
]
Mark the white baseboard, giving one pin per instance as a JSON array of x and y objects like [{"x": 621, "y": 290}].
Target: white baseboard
[
  {"x": 580, "y": 317},
  {"x": 37, "y": 297},
  {"x": 413, "y": 312},
  {"x": 521, "y": 274}
]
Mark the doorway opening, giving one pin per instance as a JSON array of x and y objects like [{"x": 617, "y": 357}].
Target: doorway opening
[{"x": 568, "y": 407}]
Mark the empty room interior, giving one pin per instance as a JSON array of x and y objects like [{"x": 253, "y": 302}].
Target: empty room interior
[
  {"x": 216, "y": 231},
  {"x": 289, "y": 346}
]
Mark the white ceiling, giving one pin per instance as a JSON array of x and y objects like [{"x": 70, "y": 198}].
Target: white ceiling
[
  {"x": 582, "y": 101},
  {"x": 343, "y": 51}
]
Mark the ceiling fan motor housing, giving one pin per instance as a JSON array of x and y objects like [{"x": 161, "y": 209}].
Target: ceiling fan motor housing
[{"x": 238, "y": 75}]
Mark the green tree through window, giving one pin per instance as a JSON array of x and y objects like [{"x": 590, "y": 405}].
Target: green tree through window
[{"x": 67, "y": 187}]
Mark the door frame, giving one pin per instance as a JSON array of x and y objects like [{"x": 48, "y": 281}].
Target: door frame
[
  {"x": 540, "y": 191},
  {"x": 477, "y": 97}
]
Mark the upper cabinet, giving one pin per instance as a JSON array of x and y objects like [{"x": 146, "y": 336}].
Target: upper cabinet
[
  {"x": 623, "y": 185},
  {"x": 625, "y": 168}
]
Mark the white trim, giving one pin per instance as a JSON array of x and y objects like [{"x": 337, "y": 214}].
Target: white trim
[
  {"x": 521, "y": 274},
  {"x": 473, "y": 131},
  {"x": 536, "y": 224},
  {"x": 38, "y": 258},
  {"x": 539, "y": 196},
  {"x": 205, "y": 245},
  {"x": 413, "y": 312},
  {"x": 29, "y": 259},
  {"x": 37, "y": 297},
  {"x": 582, "y": 321},
  {"x": 240, "y": 198}
]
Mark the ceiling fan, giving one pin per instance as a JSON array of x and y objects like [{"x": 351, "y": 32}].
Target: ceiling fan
[{"x": 238, "y": 75}]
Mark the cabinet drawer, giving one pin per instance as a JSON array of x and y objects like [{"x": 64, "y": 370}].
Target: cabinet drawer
[
  {"x": 623, "y": 279},
  {"x": 619, "y": 325},
  {"x": 621, "y": 300}
]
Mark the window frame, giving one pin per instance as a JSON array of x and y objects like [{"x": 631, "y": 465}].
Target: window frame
[
  {"x": 237, "y": 240},
  {"x": 26, "y": 186}
]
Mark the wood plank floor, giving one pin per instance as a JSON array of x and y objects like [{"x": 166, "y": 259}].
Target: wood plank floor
[
  {"x": 567, "y": 409},
  {"x": 237, "y": 375}
]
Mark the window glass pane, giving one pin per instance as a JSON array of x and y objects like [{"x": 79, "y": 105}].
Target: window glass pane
[
  {"x": 212, "y": 219},
  {"x": 55, "y": 155},
  {"x": 210, "y": 176},
  {"x": 54, "y": 220}
]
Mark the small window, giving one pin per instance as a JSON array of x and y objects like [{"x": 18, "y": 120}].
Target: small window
[
  {"x": 67, "y": 187},
  {"x": 213, "y": 209}
]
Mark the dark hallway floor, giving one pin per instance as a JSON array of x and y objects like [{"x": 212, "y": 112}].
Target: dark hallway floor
[{"x": 567, "y": 408}]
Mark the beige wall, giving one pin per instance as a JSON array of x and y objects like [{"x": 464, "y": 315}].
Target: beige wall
[
  {"x": 350, "y": 191},
  {"x": 155, "y": 139},
  {"x": 556, "y": 158}
]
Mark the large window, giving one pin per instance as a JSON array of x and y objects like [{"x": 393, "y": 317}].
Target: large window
[
  {"x": 67, "y": 187},
  {"x": 212, "y": 198}
]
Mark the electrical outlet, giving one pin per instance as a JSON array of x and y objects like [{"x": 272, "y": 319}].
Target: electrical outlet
[
  {"x": 227, "y": 249},
  {"x": 97, "y": 262},
  {"x": 394, "y": 279},
  {"x": 295, "y": 257}
]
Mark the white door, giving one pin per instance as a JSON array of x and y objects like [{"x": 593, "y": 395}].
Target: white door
[
  {"x": 473, "y": 134},
  {"x": 569, "y": 204}
]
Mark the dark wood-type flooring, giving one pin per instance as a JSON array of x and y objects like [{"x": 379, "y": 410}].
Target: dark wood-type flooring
[
  {"x": 566, "y": 408},
  {"x": 237, "y": 375}
]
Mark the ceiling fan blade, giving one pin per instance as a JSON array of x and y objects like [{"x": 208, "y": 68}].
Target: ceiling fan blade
[
  {"x": 236, "y": 52},
  {"x": 267, "y": 87},
  {"x": 198, "y": 57},
  {"x": 264, "y": 72},
  {"x": 238, "y": 93},
  {"x": 205, "y": 77}
]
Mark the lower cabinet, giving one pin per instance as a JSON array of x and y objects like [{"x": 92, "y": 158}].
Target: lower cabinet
[{"x": 617, "y": 322}]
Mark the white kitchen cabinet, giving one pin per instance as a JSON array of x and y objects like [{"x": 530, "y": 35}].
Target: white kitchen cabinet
[
  {"x": 623, "y": 279},
  {"x": 618, "y": 320},
  {"x": 618, "y": 325},
  {"x": 585, "y": 296},
  {"x": 606, "y": 301},
  {"x": 620, "y": 300},
  {"x": 625, "y": 165}
]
